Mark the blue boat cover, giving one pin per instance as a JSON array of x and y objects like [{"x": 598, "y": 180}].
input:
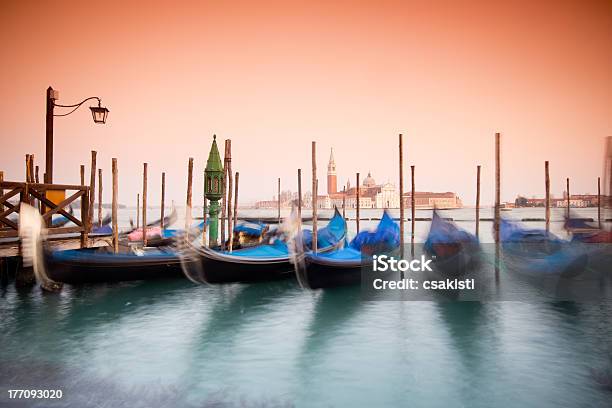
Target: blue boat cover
[
  {"x": 251, "y": 228},
  {"x": 512, "y": 231},
  {"x": 105, "y": 229},
  {"x": 172, "y": 233},
  {"x": 344, "y": 254},
  {"x": 330, "y": 235},
  {"x": 277, "y": 249},
  {"x": 385, "y": 237},
  {"x": 446, "y": 232}
]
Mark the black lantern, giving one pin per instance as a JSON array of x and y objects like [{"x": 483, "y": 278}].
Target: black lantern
[{"x": 99, "y": 113}]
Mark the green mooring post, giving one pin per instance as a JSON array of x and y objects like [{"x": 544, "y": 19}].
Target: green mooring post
[{"x": 213, "y": 190}]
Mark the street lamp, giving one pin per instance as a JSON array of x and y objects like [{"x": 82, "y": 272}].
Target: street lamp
[{"x": 99, "y": 114}]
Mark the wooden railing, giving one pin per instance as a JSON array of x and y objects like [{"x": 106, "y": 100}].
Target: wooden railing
[{"x": 32, "y": 192}]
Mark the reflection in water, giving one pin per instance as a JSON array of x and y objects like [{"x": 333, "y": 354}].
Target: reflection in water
[{"x": 174, "y": 343}]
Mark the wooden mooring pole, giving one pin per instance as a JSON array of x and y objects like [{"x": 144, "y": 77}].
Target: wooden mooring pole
[
  {"x": 82, "y": 171},
  {"x": 99, "y": 197},
  {"x": 230, "y": 177},
  {"x": 32, "y": 178},
  {"x": 547, "y": 195},
  {"x": 357, "y": 203},
  {"x": 344, "y": 202},
  {"x": 568, "y": 198},
  {"x": 144, "y": 204},
  {"x": 477, "y": 200},
  {"x": 36, "y": 175},
  {"x": 278, "y": 210},
  {"x": 412, "y": 207},
  {"x": 115, "y": 206},
  {"x": 497, "y": 186},
  {"x": 314, "y": 197},
  {"x": 401, "y": 192},
  {"x": 235, "y": 217},
  {"x": 137, "y": 210},
  {"x": 189, "y": 193},
  {"x": 598, "y": 202},
  {"x": 163, "y": 201},
  {"x": 299, "y": 206},
  {"x": 92, "y": 188},
  {"x": 1, "y": 190},
  {"x": 224, "y": 196}
]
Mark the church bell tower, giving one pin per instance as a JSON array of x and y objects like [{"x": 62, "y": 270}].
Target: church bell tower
[{"x": 332, "y": 184}]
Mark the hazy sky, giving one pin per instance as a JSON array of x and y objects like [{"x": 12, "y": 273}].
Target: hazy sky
[{"x": 273, "y": 76}]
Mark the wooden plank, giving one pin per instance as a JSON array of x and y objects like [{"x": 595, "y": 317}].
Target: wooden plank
[
  {"x": 43, "y": 186},
  {"x": 10, "y": 194},
  {"x": 64, "y": 230},
  {"x": 58, "y": 208}
]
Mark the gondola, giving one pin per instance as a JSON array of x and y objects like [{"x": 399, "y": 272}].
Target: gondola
[
  {"x": 104, "y": 228},
  {"x": 586, "y": 232},
  {"x": 453, "y": 250},
  {"x": 62, "y": 220},
  {"x": 537, "y": 253},
  {"x": 270, "y": 220},
  {"x": 261, "y": 263},
  {"x": 102, "y": 265},
  {"x": 343, "y": 267},
  {"x": 168, "y": 220}
]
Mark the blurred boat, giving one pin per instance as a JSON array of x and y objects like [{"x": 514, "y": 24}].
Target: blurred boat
[
  {"x": 343, "y": 267},
  {"x": 102, "y": 265},
  {"x": 453, "y": 250},
  {"x": 104, "y": 228},
  {"x": 168, "y": 221},
  {"x": 585, "y": 231},
  {"x": 260, "y": 263},
  {"x": 539, "y": 253}
]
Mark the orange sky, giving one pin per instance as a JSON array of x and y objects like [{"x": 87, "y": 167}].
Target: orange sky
[{"x": 273, "y": 76}]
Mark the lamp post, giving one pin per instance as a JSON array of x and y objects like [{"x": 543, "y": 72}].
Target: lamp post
[{"x": 99, "y": 114}]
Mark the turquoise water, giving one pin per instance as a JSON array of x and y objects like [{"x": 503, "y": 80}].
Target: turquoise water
[
  {"x": 275, "y": 344},
  {"x": 174, "y": 343}
]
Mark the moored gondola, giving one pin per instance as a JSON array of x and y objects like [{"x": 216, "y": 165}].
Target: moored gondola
[
  {"x": 453, "y": 250},
  {"x": 102, "y": 265},
  {"x": 343, "y": 267},
  {"x": 537, "y": 253},
  {"x": 260, "y": 263}
]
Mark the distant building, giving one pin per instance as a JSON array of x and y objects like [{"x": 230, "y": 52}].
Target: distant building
[
  {"x": 371, "y": 195},
  {"x": 432, "y": 200},
  {"x": 576, "y": 201}
]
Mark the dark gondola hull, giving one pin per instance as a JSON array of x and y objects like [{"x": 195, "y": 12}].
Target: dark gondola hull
[
  {"x": 320, "y": 274},
  {"x": 467, "y": 259},
  {"x": 113, "y": 270},
  {"x": 227, "y": 270}
]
